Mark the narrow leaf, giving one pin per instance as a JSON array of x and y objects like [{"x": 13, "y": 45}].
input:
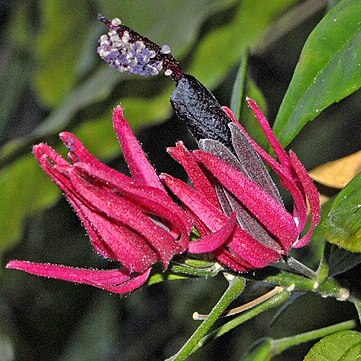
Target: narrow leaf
[
  {"x": 328, "y": 70},
  {"x": 342, "y": 226},
  {"x": 239, "y": 87}
]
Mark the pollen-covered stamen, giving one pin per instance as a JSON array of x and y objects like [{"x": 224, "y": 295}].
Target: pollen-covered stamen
[{"x": 127, "y": 51}]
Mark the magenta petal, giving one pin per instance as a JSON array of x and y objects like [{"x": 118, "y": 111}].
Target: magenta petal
[
  {"x": 79, "y": 154},
  {"x": 310, "y": 189},
  {"x": 245, "y": 246},
  {"x": 214, "y": 240},
  {"x": 131, "y": 285},
  {"x": 275, "y": 144},
  {"x": 258, "y": 202},
  {"x": 284, "y": 171},
  {"x": 232, "y": 262},
  {"x": 312, "y": 196},
  {"x": 136, "y": 159},
  {"x": 211, "y": 216},
  {"x": 128, "y": 248},
  {"x": 152, "y": 200},
  {"x": 194, "y": 172},
  {"x": 49, "y": 160},
  {"x": 119, "y": 209},
  {"x": 248, "y": 249},
  {"x": 47, "y": 156},
  {"x": 113, "y": 280}
]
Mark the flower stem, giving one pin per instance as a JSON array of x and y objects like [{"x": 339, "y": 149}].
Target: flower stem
[
  {"x": 246, "y": 306},
  {"x": 275, "y": 301},
  {"x": 235, "y": 288},
  {"x": 193, "y": 271},
  {"x": 280, "y": 345}
]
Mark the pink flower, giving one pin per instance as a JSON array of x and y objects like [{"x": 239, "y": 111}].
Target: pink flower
[
  {"x": 235, "y": 204},
  {"x": 131, "y": 220}
]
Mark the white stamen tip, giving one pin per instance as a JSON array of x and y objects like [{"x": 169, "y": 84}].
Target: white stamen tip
[
  {"x": 165, "y": 49},
  {"x": 116, "y": 22},
  {"x": 290, "y": 288},
  {"x": 343, "y": 294},
  {"x": 168, "y": 72}
]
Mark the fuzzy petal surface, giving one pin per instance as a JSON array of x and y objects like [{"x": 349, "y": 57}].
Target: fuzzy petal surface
[
  {"x": 136, "y": 159},
  {"x": 117, "y": 280}
]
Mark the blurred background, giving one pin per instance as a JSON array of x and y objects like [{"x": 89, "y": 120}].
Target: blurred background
[{"x": 51, "y": 80}]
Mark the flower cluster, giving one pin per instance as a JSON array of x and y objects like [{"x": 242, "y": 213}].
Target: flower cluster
[
  {"x": 233, "y": 203},
  {"x": 234, "y": 197},
  {"x": 131, "y": 220},
  {"x": 127, "y": 51}
]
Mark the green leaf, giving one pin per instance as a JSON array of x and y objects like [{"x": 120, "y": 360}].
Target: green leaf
[
  {"x": 341, "y": 346},
  {"x": 239, "y": 87},
  {"x": 222, "y": 48},
  {"x": 340, "y": 260},
  {"x": 64, "y": 27},
  {"x": 261, "y": 351},
  {"x": 24, "y": 189},
  {"x": 342, "y": 226},
  {"x": 329, "y": 69}
]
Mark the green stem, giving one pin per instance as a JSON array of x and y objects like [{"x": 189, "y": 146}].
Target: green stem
[
  {"x": 192, "y": 271},
  {"x": 294, "y": 282},
  {"x": 235, "y": 288},
  {"x": 280, "y": 345},
  {"x": 291, "y": 280},
  {"x": 323, "y": 269},
  {"x": 331, "y": 288},
  {"x": 271, "y": 303}
]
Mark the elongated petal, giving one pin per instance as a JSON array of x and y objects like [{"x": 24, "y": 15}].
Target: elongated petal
[
  {"x": 128, "y": 247},
  {"x": 312, "y": 197},
  {"x": 132, "y": 284},
  {"x": 247, "y": 161},
  {"x": 231, "y": 261},
  {"x": 194, "y": 172},
  {"x": 152, "y": 200},
  {"x": 252, "y": 163},
  {"x": 258, "y": 202},
  {"x": 58, "y": 170},
  {"x": 249, "y": 249},
  {"x": 250, "y": 224},
  {"x": 214, "y": 240},
  {"x": 118, "y": 281},
  {"x": 136, "y": 159},
  {"x": 284, "y": 171},
  {"x": 275, "y": 144},
  {"x": 244, "y": 246},
  {"x": 119, "y": 209},
  {"x": 79, "y": 154},
  {"x": 210, "y": 215}
]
